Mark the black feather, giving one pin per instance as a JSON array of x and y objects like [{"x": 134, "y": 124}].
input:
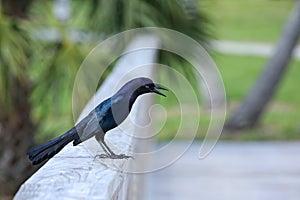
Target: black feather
[{"x": 49, "y": 149}]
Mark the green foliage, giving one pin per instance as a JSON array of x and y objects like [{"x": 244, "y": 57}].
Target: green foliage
[
  {"x": 54, "y": 66},
  {"x": 13, "y": 38},
  {"x": 46, "y": 68},
  {"x": 187, "y": 17}
]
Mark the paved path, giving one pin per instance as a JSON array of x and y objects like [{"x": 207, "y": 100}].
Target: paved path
[{"x": 233, "y": 171}]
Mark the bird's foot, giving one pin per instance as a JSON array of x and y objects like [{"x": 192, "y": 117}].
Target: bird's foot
[
  {"x": 114, "y": 156},
  {"x": 102, "y": 156},
  {"x": 120, "y": 156}
]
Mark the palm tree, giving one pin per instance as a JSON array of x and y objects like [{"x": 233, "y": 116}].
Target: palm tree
[{"x": 184, "y": 16}]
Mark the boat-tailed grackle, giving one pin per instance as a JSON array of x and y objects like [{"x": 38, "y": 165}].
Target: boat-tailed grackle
[{"x": 106, "y": 116}]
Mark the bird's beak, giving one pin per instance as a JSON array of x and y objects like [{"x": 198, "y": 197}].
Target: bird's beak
[{"x": 159, "y": 87}]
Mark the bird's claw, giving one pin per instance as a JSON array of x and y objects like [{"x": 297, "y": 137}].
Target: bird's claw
[
  {"x": 120, "y": 156},
  {"x": 114, "y": 156},
  {"x": 102, "y": 156}
]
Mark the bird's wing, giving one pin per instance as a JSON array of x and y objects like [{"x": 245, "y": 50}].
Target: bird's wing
[{"x": 89, "y": 126}]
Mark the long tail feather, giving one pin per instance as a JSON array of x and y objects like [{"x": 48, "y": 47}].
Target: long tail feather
[{"x": 49, "y": 149}]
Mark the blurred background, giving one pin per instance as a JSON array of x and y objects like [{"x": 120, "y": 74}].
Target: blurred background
[{"x": 253, "y": 42}]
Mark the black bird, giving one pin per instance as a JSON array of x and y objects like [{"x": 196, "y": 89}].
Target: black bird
[{"x": 106, "y": 116}]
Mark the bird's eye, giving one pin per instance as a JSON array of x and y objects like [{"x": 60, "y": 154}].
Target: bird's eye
[{"x": 147, "y": 86}]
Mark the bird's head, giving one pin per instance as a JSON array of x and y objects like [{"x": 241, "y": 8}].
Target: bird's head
[
  {"x": 142, "y": 85},
  {"x": 136, "y": 87},
  {"x": 129, "y": 92}
]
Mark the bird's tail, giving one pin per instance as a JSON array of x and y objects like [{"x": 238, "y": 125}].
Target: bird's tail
[{"x": 49, "y": 149}]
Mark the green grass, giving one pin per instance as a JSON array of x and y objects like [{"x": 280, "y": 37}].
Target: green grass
[
  {"x": 248, "y": 20},
  {"x": 239, "y": 73},
  {"x": 282, "y": 118}
]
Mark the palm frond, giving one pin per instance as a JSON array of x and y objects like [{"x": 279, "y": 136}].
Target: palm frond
[{"x": 14, "y": 57}]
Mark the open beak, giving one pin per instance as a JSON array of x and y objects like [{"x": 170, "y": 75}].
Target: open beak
[{"x": 159, "y": 87}]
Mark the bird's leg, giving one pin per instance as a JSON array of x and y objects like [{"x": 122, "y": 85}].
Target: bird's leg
[
  {"x": 107, "y": 148},
  {"x": 108, "y": 152},
  {"x": 112, "y": 154}
]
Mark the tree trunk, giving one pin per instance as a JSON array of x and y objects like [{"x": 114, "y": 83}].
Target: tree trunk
[
  {"x": 251, "y": 109},
  {"x": 16, "y": 137},
  {"x": 16, "y": 126}
]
